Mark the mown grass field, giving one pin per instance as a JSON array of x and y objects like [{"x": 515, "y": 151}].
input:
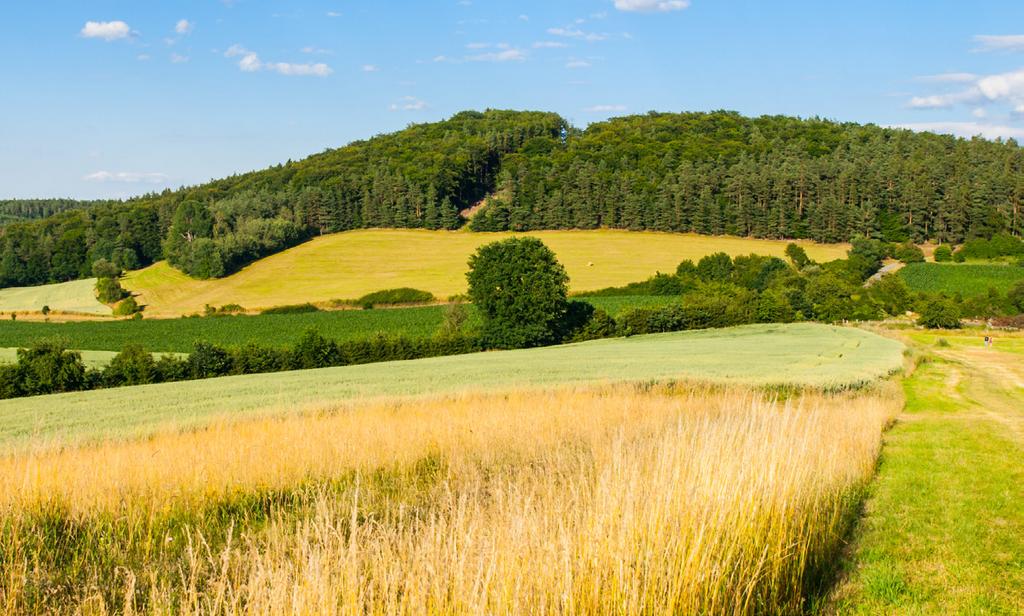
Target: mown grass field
[
  {"x": 280, "y": 330},
  {"x": 349, "y": 265},
  {"x": 77, "y": 296},
  {"x": 943, "y": 531},
  {"x": 800, "y": 354},
  {"x": 637, "y": 497},
  {"x": 968, "y": 279}
]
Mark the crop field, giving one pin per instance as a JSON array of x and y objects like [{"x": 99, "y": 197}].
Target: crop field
[
  {"x": 800, "y": 354},
  {"x": 349, "y": 265},
  {"x": 281, "y": 330},
  {"x": 77, "y": 296},
  {"x": 643, "y": 498},
  {"x": 968, "y": 279}
]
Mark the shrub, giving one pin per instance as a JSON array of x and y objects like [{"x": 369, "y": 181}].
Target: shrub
[
  {"x": 46, "y": 368},
  {"x": 208, "y": 361},
  {"x": 1015, "y": 296},
  {"x": 455, "y": 318},
  {"x": 314, "y": 351},
  {"x": 892, "y": 294},
  {"x": 293, "y": 309},
  {"x": 798, "y": 256},
  {"x": 943, "y": 254},
  {"x": 132, "y": 366},
  {"x": 908, "y": 252},
  {"x": 109, "y": 291},
  {"x": 958, "y": 256},
  {"x": 127, "y": 307},
  {"x": 394, "y": 297},
  {"x": 45, "y": 310},
  {"x": 521, "y": 291},
  {"x": 715, "y": 267},
  {"x": 939, "y": 313},
  {"x": 101, "y": 268}
]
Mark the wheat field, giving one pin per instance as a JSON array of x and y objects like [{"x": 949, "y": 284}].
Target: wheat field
[{"x": 572, "y": 500}]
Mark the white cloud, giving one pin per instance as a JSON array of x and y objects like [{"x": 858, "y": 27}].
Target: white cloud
[
  {"x": 319, "y": 51},
  {"x": 250, "y": 62},
  {"x": 106, "y": 30},
  {"x": 605, "y": 109},
  {"x": 944, "y": 101},
  {"x": 408, "y": 103},
  {"x": 574, "y": 32},
  {"x": 477, "y": 45},
  {"x": 999, "y": 42},
  {"x": 370, "y": 68},
  {"x": 126, "y": 177},
  {"x": 949, "y": 78},
  {"x": 505, "y": 55},
  {"x": 651, "y": 6},
  {"x": 333, "y": 14},
  {"x": 966, "y": 129},
  {"x": 549, "y": 45},
  {"x": 979, "y": 113},
  {"x": 574, "y": 63},
  {"x": 184, "y": 26},
  {"x": 142, "y": 57},
  {"x": 178, "y": 58}
]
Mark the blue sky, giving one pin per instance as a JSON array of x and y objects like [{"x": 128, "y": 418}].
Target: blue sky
[{"x": 107, "y": 98}]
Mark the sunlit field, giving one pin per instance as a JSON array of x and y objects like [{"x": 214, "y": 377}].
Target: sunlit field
[
  {"x": 596, "y": 499},
  {"x": 349, "y": 265}
]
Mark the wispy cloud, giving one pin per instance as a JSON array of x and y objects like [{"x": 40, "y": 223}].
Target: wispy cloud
[
  {"x": 576, "y": 63},
  {"x": 126, "y": 177},
  {"x": 178, "y": 58},
  {"x": 512, "y": 54},
  {"x": 577, "y": 33},
  {"x": 106, "y": 30},
  {"x": 651, "y": 6},
  {"x": 549, "y": 45},
  {"x": 999, "y": 42},
  {"x": 408, "y": 103},
  {"x": 949, "y": 78},
  {"x": 250, "y": 62},
  {"x": 370, "y": 68},
  {"x": 1006, "y": 88},
  {"x": 605, "y": 109},
  {"x": 184, "y": 26}
]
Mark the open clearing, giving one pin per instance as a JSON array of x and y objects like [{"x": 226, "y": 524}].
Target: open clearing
[
  {"x": 275, "y": 330},
  {"x": 77, "y": 296},
  {"x": 943, "y": 531},
  {"x": 800, "y": 354},
  {"x": 968, "y": 279},
  {"x": 349, "y": 265}
]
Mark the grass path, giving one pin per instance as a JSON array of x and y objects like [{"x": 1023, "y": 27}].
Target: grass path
[
  {"x": 798, "y": 354},
  {"x": 943, "y": 531}
]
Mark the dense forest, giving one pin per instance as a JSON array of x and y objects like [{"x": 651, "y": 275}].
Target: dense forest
[
  {"x": 718, "y": 173},
  {"x": 16, "y": 210}
]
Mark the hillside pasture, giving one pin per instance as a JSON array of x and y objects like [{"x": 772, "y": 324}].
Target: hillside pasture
[
  {"x": 968, "y": 279},
  {"x": 800, "y": 354},
  {"x": 276, "y": 330},
  {"x": 351, "y": 264},
  {"x": 77, "y": 296}
]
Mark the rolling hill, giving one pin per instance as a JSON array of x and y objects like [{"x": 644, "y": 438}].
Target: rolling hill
[{"x": 349, "y": 265}]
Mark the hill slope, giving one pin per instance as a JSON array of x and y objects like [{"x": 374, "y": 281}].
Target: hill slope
[
  {"x": 349, "y": 265},
  {"x": 711, "y": 173}
]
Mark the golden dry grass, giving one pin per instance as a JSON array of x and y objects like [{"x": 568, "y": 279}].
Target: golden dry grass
[
  {"x": 576, "y": 500},
  {"x": 349, "y": 265}
]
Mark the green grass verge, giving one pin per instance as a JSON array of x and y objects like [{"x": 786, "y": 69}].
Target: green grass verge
[
  {"x": 180, "y": 335},
  {"x": 799, "y": 354},
  {"x": 943, "y": 531},
  {"x": 968, "y": 279}
]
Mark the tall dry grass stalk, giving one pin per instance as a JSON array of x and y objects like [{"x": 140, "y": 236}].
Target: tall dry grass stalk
[{"x": 606, "y": 500}]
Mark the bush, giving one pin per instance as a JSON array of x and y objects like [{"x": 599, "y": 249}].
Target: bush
[
  {"x": 208, "y": 361},
  {"x": 314, "y": 351},
  {"x": 521, "y": 291},
  {"x": 126, "y": 308},
  {"x": 44, "y": 368},
  {"x": 132, "y": 366},
  {"x": 101, "y": 268},
  {"x": 109, "y": 291},
  {"x": 395, "y": 297},
  {"x": 908, "y": 252},
  {"x": 943, "y": 254},
  {"x": 294, "y": 309},
  {"x": 455, "y": 318},
  {"x": 798, "y": 256},
  {"x": 1015, "y": 296},
  {"x": 958, "y": 256},
  {"x": 939, "y": 313},
  {"x": 715, "y": 267}
]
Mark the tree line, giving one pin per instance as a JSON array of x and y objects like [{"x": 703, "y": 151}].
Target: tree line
[{"x": 712, "y": 173}]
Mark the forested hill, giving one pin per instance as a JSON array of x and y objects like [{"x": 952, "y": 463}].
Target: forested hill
[
  {"x": 774, "y": 177},
  {"x": 15, "y": 210}
]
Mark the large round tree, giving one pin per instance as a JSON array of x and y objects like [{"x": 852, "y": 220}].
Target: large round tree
[{"x": 521, "y": 291}]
